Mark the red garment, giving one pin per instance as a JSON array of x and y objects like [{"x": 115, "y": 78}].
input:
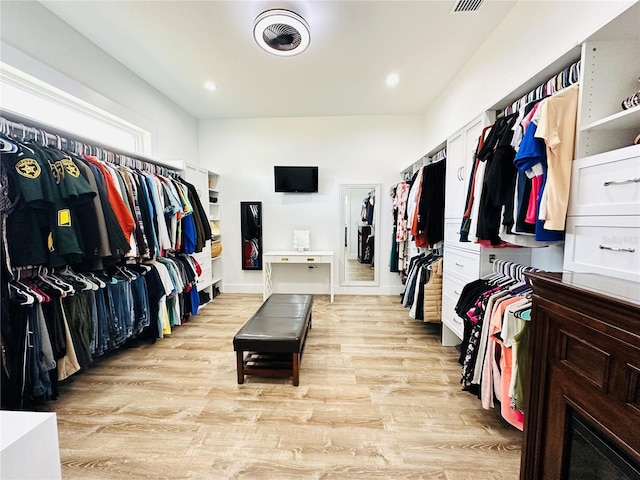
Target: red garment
[
  {"x": 123, "y": 215},
  {"x": 532, "y": 209}
]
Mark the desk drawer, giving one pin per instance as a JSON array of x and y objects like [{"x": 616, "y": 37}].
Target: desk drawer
[
  {"x": 297, "y": 259},
  {"x": 606, "y": 184},
  {"x": 604, "y": 245}
]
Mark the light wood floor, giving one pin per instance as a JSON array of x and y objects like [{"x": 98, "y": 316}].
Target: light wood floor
[
  {"x": 354, "y": 271},
  {"x": 379, "y": 398}
]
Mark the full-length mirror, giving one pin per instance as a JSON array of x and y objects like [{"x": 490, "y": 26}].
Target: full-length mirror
[
  {"x": 359, "y": 216},
  {"x": 251, "y": 230}
]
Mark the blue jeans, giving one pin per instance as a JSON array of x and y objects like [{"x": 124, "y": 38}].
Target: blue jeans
[
  {"x": 140, "y": 304},
  {"x": 123, "y": 303}
]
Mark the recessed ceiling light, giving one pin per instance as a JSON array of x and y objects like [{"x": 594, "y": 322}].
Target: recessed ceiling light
[
  {"x": 393, "y": 79},
  {"x": 212, "y": 87},
  {"x": 281, "y": 32}
]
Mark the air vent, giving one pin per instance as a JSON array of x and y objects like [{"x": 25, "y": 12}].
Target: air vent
[
  {"x": 281, "y": 32},
  {"x": 466, "y": 6}
]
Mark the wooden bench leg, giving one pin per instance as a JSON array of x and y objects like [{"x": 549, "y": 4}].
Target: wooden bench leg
[
  {"x": 240, "y": 366},
  {"x": 296, "y": 369}
]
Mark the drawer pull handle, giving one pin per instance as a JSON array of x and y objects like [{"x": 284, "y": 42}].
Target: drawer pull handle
[
  {"x": 456, "y": 292},
  {"x": 459, "y": 264},
  {"x": 622, "y": 182},
  {"x": 284, "y": 259},
  {"x": 311, "y": 259},
  {"x": 616, "y": 249}
]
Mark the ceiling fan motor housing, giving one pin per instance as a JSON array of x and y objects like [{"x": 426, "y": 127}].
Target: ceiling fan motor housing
[{"x": 281, "y": 32}]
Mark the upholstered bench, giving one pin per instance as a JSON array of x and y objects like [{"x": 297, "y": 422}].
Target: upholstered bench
[{"x": 274, "y": 337}]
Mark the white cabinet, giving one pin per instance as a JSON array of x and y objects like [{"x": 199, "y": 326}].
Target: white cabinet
[
  {"x": 464, "y": 261},
  {"x": 603, "y": 224},
  {"x": 461, "y": 148}
]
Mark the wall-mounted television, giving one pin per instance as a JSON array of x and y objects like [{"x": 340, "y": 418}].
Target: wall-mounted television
[{"x": 295, "y": 179}]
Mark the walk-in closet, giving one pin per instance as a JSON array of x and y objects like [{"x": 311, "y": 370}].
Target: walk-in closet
[{"x": 301, "y": 240}]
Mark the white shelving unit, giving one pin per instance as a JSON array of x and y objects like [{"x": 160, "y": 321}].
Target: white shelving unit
[
  {"x": 215, "y": 220},
  {"x": 603, "y": 222},
  {"x": 206, "y": 184},
  {"x": 610, "y": 73}
]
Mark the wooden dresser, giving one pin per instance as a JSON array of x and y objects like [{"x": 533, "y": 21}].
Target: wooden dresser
[{"x": 584, "y": 372}]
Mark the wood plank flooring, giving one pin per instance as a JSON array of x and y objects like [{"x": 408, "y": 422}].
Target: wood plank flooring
[
  {"x": 379, "y": 398},
  {"x": 354, "y": 271}
]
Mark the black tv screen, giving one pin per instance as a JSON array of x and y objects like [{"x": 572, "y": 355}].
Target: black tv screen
[{"x": 296, "y": 179}]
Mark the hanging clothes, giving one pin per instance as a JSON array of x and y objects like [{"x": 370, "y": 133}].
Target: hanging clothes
[
  {"x": 493, "y": 311},
  {"x": 103, "y": 219},
  {"x": 423, "y": 289}
]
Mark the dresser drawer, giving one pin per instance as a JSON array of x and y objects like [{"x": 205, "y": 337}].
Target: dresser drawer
[
  {"x": 463, "y": 264},
  {"x": 452, "y": 235},
  {"x": 606, "y": 184},
  {"x": 452, "y": 286},
  {"x": 604, "y": 245},
  {"x": 450, "y": 318}
]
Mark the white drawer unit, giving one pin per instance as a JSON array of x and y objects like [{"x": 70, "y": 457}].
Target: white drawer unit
[
  {"x": 462, "y": 267},
  {"x": 606, "y": 184},
  {"x": 604, "y": 245},
  {"x": 204, "y": 259}
]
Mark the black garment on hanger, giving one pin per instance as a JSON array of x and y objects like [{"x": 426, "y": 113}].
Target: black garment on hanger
[
  {"x": 499, "y": 181},
  {"x": 431, "y": 204}
]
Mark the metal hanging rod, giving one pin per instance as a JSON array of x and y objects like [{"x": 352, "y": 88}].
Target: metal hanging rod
[{"x": 21, "y": 127}]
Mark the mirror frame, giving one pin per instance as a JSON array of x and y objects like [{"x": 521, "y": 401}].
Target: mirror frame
[{"x": 342, "y": 281}]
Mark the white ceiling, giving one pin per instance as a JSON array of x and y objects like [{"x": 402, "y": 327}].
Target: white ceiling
[{"x": 177, "y": 45}]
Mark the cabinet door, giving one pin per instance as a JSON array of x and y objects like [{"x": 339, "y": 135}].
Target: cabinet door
[
  {"x": 454, "y": 183},
  {"x": 472, "y": 134},
  {"x": 199, "y": 178}
]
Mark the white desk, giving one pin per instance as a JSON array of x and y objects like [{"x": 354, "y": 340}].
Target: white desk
[{"x": 291, "y": 257}]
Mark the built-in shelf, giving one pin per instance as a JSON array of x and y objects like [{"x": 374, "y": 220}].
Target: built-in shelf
[{"x": 618, "y": 121}]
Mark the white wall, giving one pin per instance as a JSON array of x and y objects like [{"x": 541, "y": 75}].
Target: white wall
[
  {"x": 37, "y": 42},
  {"x": 351, "y": 150},
  {"x": 531, "y": 36}
]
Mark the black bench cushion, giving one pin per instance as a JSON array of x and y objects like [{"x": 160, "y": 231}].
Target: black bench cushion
[{"x": 279, "y": 325}]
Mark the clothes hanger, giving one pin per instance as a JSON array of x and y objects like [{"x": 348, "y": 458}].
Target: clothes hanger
[{"x": 27, "y": 298}]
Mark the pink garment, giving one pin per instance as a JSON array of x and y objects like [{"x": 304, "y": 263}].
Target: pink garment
[
  {"x": 498, "y": 377},
  {"x": 527, "y": 119},
  {"x": 534, "y": 199}
]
